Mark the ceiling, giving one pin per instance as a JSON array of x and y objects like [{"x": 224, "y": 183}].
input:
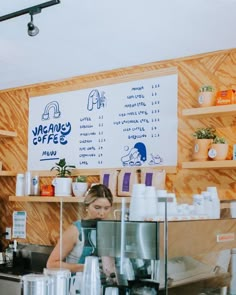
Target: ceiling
[{"x": 86, "y": 36}]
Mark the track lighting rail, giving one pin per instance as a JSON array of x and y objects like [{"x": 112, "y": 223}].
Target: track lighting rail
[{"x": 31, "y": 10}]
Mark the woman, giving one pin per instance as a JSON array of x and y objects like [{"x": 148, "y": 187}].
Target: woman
[{"x": 98, "y": 204}]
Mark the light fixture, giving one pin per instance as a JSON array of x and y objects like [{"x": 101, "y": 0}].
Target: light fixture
[{"x": 32, "y": 29}]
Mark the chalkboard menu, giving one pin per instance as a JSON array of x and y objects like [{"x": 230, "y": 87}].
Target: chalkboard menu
[{"x": 124, "y": 124}]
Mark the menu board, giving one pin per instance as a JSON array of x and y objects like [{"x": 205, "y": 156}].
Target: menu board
[{"x": 132, "y": 123}]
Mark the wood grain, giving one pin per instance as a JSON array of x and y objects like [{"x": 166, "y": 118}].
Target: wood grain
[{"x": 217, "y": 69}]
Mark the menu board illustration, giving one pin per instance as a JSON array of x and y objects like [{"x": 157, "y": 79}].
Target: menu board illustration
[{"x": 126, "y": 124}]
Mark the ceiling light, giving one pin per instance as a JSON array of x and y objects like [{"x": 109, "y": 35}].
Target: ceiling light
[{"x": 32, "y": 29}]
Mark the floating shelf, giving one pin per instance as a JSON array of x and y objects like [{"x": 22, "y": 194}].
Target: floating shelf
[
  {"x": 8, "y": 173},
  {"x": 5, "y": 133},
  {"x": 117, "y": 200},
  {"x": 215, "y": 111},
  {"x": 209, "y": 164}
]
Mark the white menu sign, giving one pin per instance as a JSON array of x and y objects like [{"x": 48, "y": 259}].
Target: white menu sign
[{"x": 120, "y": 125}]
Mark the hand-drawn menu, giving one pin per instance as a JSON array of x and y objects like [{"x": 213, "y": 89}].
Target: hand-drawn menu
[{"x": 126, "y": 124}]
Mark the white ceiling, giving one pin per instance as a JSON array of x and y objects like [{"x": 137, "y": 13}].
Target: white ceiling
[{"x": 85, "y": 36}]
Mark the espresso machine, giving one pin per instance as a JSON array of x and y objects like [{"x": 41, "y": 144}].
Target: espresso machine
[{"x": 134, "y": 245}]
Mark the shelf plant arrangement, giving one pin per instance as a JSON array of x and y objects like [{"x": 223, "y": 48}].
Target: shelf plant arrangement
[
  {"x": 63, "y": 181},
  {"x": 80, "y": 186},
  {"x": 63, "y": 170},
  {"x": 206, "y": 96},
  {"x": 219, "y": 149},
  {"x": 203, "y": 139}
]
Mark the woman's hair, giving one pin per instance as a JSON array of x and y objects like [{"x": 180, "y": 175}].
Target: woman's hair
[{"x": 97, "y": 191}]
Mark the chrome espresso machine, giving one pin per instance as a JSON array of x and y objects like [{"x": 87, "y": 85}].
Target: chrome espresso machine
[{"x": 134, "y": 246}]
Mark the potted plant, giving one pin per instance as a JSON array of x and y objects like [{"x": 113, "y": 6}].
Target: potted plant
[
  {"x": 203, "y": 139},
  {"x": 80, "y": 186},
  {"x": 206, "y": 96},
  {"x": 63, "y": 181},
  {"x": 219, "y": 149}
]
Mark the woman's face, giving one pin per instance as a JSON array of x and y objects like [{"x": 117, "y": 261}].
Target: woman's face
[{"x": 99, "y": 209}]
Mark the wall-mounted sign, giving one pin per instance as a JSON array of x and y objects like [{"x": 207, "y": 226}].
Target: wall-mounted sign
[{"x": 126, "y": 124}]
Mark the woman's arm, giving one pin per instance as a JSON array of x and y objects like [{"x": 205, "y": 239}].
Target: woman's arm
[{"x": 69, "y": 240}]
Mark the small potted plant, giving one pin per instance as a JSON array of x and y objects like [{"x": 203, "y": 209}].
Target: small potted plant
[
  {"x": 63, "y": 181},
  {"x": 219, "y": 149},
  {"x": 206, "y": 96},
  {"x": 203, "y": 139},
  {"x": 80, "y": 186}
]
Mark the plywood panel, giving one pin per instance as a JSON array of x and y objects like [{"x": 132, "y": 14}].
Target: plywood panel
[
  {"x": 217, "y": 69},
  {"x": 192, "y": 238}
]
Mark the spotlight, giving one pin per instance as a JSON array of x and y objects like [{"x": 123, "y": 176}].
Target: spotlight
[{"x": 32, "y": 29}]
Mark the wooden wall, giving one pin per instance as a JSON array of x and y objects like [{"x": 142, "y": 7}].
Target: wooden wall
[{"x": 217, "y": 69}]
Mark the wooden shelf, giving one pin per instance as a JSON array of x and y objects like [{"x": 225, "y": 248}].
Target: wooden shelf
[
  {"x": 209, "y": 164},
  {"x": 75, "y": 172},
  {"x": 5, "y": 133},
  {"x": 8, "y": 173},
  {"x": 96, "y": 172},
  {"x": 215, "y": 111},
  {"x": 117, "y": 200}
]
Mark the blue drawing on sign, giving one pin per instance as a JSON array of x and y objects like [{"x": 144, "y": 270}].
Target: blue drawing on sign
[
  {"x": 135, "y": 156},
  {"x": 54, "y": 105},
  {"x": 155, "y": 159},
  {"x": 96, "y": 99}
]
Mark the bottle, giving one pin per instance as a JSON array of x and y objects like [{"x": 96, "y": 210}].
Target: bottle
[
  {"x": 35, "y": 191},
  {"x": 20, "y": 184},
  {"x": 28, "y": 181},
  {"x": 9, "y": 255}
]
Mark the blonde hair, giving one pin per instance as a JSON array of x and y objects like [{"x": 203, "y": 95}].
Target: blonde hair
[{"x": 97, "y": 191}]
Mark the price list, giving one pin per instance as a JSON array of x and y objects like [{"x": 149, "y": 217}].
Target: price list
[{"x": 120, "y": 125}]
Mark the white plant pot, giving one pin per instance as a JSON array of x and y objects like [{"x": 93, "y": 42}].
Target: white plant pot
[
  {"x": 62, "y": 186},
  {"x": 79, "y": 188}
]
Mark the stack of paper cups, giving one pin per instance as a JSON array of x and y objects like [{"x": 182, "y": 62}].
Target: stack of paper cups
[
  {"x": 215, "y": 202},
  {"x": 151, "y": 202},
  {"x": 137, "y": 203}
]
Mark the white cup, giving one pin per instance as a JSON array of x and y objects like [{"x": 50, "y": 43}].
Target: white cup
[
  {"x": 233, "y": 209},
  {"x": 137, "y": 209},
  {"x": 91, "y": 283},
  {"x": 152, "y": 207},
  {"x": 150, "y": 191},
  {"x": 138, "y": 189},
  {"x": 212, "y": 189},
  {"x": 111, "y": 291},
  {"x": 161, "y": 192}
]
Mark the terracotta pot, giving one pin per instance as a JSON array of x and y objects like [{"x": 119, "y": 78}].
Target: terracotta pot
[
  {"x": 206, "y": 99},
  {"x": 218, "y": 151},
  {"x": 200, "y": 150}
]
